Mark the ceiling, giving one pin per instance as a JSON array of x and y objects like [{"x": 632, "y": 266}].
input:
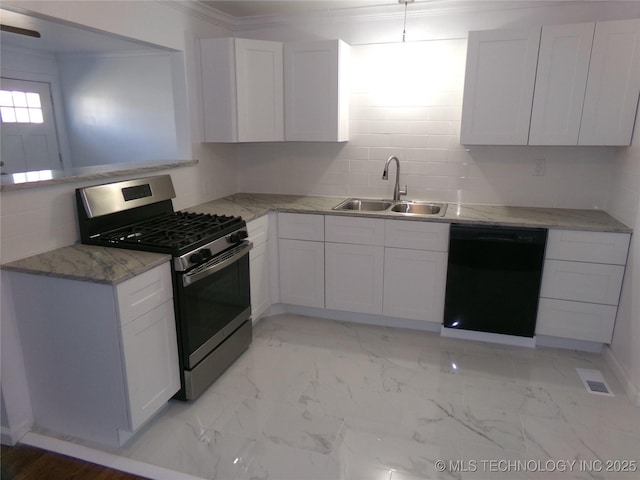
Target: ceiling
[{"x": 258, "y": 8}]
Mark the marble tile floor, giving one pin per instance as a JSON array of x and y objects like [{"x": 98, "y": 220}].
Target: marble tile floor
[{"x": 318, "y": 399}]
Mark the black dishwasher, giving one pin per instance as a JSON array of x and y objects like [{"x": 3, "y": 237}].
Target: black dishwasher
[{"x": 493, "y": 279}]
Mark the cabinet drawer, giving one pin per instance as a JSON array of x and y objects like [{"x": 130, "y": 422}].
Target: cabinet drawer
[
  {"x": 258, "y": 230},
  {"x": 144, "y": 292},
  {"x": 360, "y": 231},
  {"x": 300, "y": 226},
  {"x": 582, "y": 282},
  {"x": 579, "y": 321},
  {"x": 594, "y": 247},
  {"x": 416, "y": 235}
]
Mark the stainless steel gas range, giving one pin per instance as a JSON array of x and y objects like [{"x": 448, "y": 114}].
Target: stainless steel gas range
[{"x": 210, "y": 268}]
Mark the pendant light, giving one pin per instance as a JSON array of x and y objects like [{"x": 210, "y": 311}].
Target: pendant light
[{"x": 404, "y": 27}]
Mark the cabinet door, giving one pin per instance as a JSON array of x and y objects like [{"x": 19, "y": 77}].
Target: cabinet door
[
  {"x": 260, "y": 92},
  {"x": 150, "y": 351},
  {"x": 561, "y": 79},
  {"x": 259, "y": 278},
  {"x": 301, "y": 272},
  {"x": 498, "y": 89},
  {"x": 354, "y": 277},
  {"x": 414, "y": 283},
  {"x": 613, "y": 85},
  {"x": 316, "y": 91}
]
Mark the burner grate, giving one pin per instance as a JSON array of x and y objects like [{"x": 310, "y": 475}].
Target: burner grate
[{"x": 177, "y": 230}]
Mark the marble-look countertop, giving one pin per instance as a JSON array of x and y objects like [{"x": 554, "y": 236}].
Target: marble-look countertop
[
  {"x": 115, "y": 265},
  {"x": 89, "y": 263},
  {"x": 253, "y": 205}
]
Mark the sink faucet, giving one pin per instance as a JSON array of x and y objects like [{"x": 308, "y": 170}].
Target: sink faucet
[{"x": 385, "y": 176}]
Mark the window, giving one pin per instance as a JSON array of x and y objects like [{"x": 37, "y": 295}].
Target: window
[{"x": 20, "y": 107}]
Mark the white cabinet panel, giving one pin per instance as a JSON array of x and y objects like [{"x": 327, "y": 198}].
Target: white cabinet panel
[
  {"x": 316, "y": 91},
  {"x": 301, "y": 272},
  {"x": 417, "y": 235},
  {"x": 259, "y": 266},
  {"x": 363, "y": 231},
  {"x": 299, "y": 226},
  {"x": 613, "y": 85},
  {"x": 561, "y": 80},
  {"x": 259, "y": 280},
  {"x": 144, "y": 292},
  {"x": 594, "y": 247},
  {"x": 499, "y": 83},
  {"x": 150, "y": 351},
  {"x": 258, "y": 230},
  {"x": 582, "y": 282},
  {"x": 581, "y": 321},
  {"x": 414, "y": 284},
  {"x": 354, "y": 277},
  {"x": 242, "y": 85}
]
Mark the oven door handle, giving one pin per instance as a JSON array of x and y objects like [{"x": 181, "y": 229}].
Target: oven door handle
[{"x": 215, "y": 265}]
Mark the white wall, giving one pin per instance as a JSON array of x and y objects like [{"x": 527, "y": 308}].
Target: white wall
[
  {"x": 624, "y": 204},
  {"x": 120, "y": 108},
  {"x": 36, "y": 220}
]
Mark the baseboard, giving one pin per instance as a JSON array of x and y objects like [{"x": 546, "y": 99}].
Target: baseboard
[
  {"x": 105, "y": 459},
  {"x": 10, "y": 436},
  {"x": 354, "y": 317},
  {"x": 632, "y": 391}
]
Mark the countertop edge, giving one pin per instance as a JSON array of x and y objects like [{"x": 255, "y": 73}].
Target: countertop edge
[{"x": 113, "y": 267}]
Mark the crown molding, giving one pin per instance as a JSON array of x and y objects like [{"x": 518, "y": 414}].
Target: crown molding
[
  {"x": 199, "y": 10},
  {"x": 379, "y": 13}
]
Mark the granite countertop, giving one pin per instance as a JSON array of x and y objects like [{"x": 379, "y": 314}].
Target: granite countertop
[
  {"x": 253, "y": 205},
  {"x": 115, "y": 265},
  {"x": 89, "y": 263}
]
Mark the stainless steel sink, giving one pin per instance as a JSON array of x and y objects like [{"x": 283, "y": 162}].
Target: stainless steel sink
[
  {"x": 389, "y": 206},
  {"x": 365, "y": 205},
  {"x": 419, "y": 208}
]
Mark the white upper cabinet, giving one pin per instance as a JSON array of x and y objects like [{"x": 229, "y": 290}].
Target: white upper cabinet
[
  {"x": 498, "y": 89},
  {"x": 586, "y": 85},
  {"x": 316, "y": 83},
  {"x": 563, "y": 66},
  {"x": 613, "y": 86},
  {"x": 242, "y": 86}
]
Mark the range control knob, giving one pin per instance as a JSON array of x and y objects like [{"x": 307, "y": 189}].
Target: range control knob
[
  {"x": 200, "y": 256},
  {"x": 237, "y": 237}
]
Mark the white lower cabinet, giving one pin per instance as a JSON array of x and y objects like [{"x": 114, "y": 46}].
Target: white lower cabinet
[
  {"x": 354, "y": 277},
  {"x": 581, "y": 283},
  {"x": 414, "y": 284},
  {"x": 149, "y": 347},
  {"x": 301, "y": 259},
  {"x": 100, "y": 360},
  {"x": 301, "y": 272}
]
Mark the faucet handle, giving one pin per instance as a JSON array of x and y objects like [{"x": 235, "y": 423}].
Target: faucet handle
[{"x": 403, "y": 192}]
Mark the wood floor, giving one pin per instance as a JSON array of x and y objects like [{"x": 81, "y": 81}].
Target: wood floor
[{"x": 23, "y": 462}]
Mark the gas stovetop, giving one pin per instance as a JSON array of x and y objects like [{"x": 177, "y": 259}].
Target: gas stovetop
[
  {"x": 172, "y": 232},
  {"x": 138, "y": 214}
]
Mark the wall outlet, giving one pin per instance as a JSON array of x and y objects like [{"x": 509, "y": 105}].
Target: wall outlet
[{"x": 538, "y": 167}]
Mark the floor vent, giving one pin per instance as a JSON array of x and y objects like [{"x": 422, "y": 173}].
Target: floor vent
[{"x": 594, "y": 382}]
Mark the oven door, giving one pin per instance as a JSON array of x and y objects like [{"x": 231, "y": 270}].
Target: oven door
[{"x": 214, "y": 300}]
